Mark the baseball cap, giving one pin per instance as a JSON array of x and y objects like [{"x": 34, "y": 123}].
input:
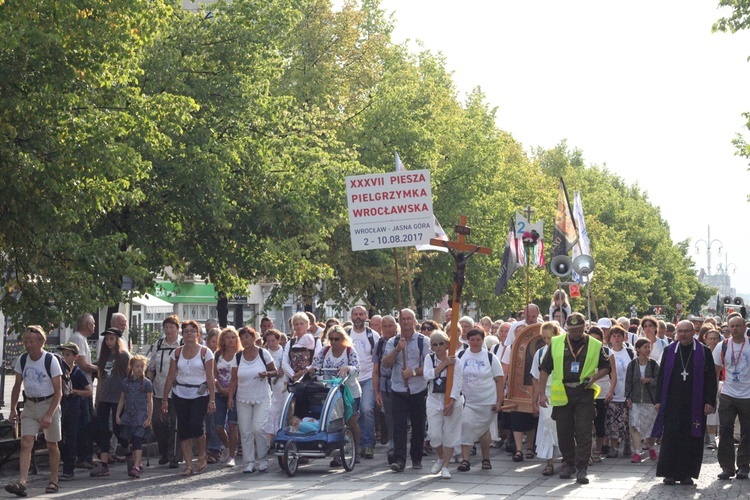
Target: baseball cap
[
  {"x": 70, "y": 346},
  {"x": 604, "y": 323}
]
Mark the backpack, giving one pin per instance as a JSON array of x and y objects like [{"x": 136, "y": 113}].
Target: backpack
[
  {"x": 67, "y": 384},
  {"x": 420, "y": 345},
  {"x": 300, "y": 358},
  {"x": 168, "y": 350},
  {"x": 630, "y": 352}
]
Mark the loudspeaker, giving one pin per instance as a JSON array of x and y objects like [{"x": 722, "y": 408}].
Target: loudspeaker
[
  {"x": 727, "y": 299},
  {"x": 561, "y": 266},
  {"x": 584, "y": 265},
  {"x": 738, "y": 301}
]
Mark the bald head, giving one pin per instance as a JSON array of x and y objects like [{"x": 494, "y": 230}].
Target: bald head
[
  {"x": 407, "y": 320},
  {"x": 684, "y": 332},
  {"x": 531, "y": 314}
]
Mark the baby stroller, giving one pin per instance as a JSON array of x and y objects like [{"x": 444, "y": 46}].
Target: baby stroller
[{"x": 313, "y": 424}]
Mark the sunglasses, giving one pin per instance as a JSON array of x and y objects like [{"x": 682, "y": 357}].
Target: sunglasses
[
  {"x": 335, "y": 339},
  {"x": 437, "y": 344},
  {"x": 429, "y": 328}
]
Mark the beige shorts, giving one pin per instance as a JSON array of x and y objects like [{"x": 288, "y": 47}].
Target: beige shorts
[{"x": 32, "y": 415}]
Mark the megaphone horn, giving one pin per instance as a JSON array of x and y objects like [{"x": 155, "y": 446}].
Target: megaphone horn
[
  {"x": 738, "y": 301},
  {"x": 584, "y": 265},
  {"x": 561, "y": 266},
  {"x": 727, "y": 299}
]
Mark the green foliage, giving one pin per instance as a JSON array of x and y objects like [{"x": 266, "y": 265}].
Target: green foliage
[{"x": 139, "y": 138}]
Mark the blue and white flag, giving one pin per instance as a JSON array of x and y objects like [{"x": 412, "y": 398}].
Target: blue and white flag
[{"x": 582, "y": 247}]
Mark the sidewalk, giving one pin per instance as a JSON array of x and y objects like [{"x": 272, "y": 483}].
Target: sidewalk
[{"x": 613, "y": 478}]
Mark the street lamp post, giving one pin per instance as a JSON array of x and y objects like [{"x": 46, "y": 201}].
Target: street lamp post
[{"x": 708, "y": 243}]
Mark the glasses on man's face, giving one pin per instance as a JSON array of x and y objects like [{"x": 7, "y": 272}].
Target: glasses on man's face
[
  {"x": 428, "y": 328},
  {"x": 335, "y": 339},
  {"x": 438, "y": 344}
]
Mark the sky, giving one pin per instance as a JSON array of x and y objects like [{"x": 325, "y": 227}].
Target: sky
[{"x": 641, "y": 87}]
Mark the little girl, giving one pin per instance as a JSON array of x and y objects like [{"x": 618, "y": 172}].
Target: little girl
[
  {"x": 640, "y": 386},
  {"x": 559, "y": 301},
  {"x": 138, "y": 404}
]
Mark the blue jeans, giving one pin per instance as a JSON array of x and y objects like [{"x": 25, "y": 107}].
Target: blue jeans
[{"x": 367, "y": 415}]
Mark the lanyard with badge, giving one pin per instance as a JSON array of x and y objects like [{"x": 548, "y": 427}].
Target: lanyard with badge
[{"x": 575, "y": 366}]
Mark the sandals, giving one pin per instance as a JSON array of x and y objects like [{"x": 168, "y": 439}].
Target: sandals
[
  {"x": 464, "y": 467},
  {"x": 549, "y": 470},
  {"x": 52, "y": 488},
  {"x": 486, "y": 464},
  {"x": 596, "y": 457},
  {"x": 187, "y": 471},
  {"x": 518, "y": 457},
  {"x": 200, "y": 468},
  {"x": 17, "y": 489},
  {"x": 530, "y": 453}
]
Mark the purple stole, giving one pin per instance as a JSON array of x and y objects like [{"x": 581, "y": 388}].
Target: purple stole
[{"x": 696, "y": 412}]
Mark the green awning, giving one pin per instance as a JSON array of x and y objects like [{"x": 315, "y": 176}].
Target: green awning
[{"x": 186, "y": 293}]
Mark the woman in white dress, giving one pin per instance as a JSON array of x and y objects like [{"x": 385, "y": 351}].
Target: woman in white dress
[
  {"x": 443, "y": 421},
  {"x": 546, "y": 431},
  {"x": 272, "y": 343},
  {"x": 483, "y": 385}
]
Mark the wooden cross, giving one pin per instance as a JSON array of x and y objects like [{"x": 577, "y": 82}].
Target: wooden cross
[
  {"x": 528, "y": 212},
  {"x": 465, "y": 251}
]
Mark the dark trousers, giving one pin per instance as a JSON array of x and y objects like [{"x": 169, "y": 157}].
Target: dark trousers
[
  {"x": 577, "y": 415},
  {"x": 729, "y": 408},
  {"x": 105, "y": 419},
  {"x": 71, "y": 419},
  {"x": 86, "y": 431},
  {"x": 165, "y": 427},
  {"x": 411, "y": 407}
]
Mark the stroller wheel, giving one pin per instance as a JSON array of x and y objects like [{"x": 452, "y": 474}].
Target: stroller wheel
[
  {"x": 347, "y": 450},
  {"x": 291, "y": 459}
]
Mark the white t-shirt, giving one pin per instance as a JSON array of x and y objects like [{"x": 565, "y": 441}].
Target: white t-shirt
[
  {"x": 605, "y": 382},
  {"x": 736, "y": 377},
  {"x": 84, "y": 350},
  {"x": 250, "y": 387},
  {"x": 435, "y": 401},
  {"x": 36, "y": 382},
  {"x": 364, "y": 352},
  {"x": 190, "y": 371},
  {"x": 538, "y": 356},
  {"x": 224, "y": 369},
  {"x": 330, "y": 363},
  {"x": 479, "y": 377},
  {"x": 622, "y": 360},
  {"x": 657, "y": 348}
]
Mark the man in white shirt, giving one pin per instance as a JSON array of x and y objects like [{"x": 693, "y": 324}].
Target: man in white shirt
[
  {"x": 531, "y": 316},
  {"x": 84, "y": 329},
  {"x": 364, "y": 340},
  {"x": 732, "y": 356},
  {"x": 40, "y": 374}
]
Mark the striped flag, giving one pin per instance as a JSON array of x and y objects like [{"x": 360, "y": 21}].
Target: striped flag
[
  {"x": 583, "y": 247},
  {"x": 510, "y": 259},
  {"x": 565, "y": 227}
]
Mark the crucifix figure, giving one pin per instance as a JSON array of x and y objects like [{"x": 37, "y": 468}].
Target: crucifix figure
[
  {"x": 684, "y": 375},
  {"x": 461, "y": 252}
]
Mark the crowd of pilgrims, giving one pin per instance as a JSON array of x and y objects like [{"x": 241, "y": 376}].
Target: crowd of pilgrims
[{"x": 219, "y": 390}]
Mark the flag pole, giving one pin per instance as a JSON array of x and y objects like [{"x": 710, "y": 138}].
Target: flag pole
[
  {"x": 398, "y": 279},
  {"x": 409, "y": 279}
]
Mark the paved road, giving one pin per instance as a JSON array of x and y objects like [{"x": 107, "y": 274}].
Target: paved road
[{"x": 613, "y": 478}]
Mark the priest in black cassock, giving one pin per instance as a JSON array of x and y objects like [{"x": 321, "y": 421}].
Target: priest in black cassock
[{"x": 685, "y": 394}]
